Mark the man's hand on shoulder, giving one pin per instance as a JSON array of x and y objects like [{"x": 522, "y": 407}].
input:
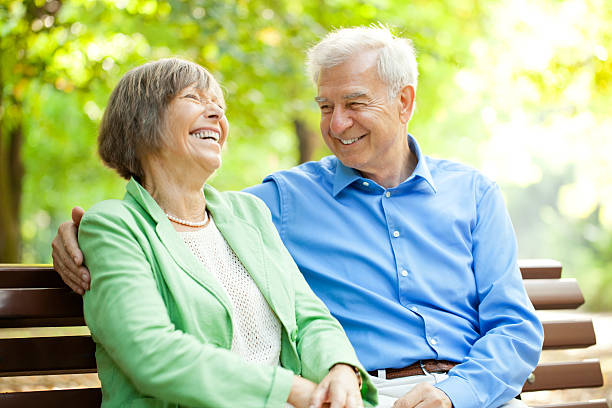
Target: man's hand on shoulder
[
  {"x": 425, "y": 396},
  {"x": 67, "y": 256}
]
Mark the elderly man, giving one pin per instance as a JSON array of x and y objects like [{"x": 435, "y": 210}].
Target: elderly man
[{"x": 415, "y": 256}]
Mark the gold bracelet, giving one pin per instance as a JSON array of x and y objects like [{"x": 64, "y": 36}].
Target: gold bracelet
[{"x": 358, "y": 374}]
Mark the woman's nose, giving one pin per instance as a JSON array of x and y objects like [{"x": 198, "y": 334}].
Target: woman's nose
[{"x": 213, "y": 111}]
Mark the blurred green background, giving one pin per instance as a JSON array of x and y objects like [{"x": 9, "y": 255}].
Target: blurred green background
[{"x": 520, "y": 89}]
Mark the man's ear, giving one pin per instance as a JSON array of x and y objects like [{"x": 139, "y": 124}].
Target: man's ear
[{"x": 406, "y": 100}]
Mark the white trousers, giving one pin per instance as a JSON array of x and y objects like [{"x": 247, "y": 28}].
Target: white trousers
[{"x": 390, "y": 390}]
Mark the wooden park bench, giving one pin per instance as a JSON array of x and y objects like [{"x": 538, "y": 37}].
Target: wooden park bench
[{"x": 35, "y": 296}]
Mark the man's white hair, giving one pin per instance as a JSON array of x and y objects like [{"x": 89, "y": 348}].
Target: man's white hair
[{"x": 397, "y": 66}]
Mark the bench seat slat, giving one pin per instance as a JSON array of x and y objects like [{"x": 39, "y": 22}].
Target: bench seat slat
[
  {"x": 540, "y": 268},
  {"x": 73, "y": 398},
  {"x": 549, "y": 294},
  {"x": 40, "y": 303},
  {"x": 47, "y": 355},
  {"x": 600, "y": 403},
  {"x": 565, "y": 334},
  {"x": 559, "y": 376}
]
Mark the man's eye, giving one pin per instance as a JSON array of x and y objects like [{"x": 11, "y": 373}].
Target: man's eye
[
  {"x": 356, "y": 104},
  {"x": 325, "y": 108},
  {"x": 193, "y": 96}
]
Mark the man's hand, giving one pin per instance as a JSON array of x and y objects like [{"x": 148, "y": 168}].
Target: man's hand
[
  {"x": 339, "y": 388},
  {"x": 67, "y": 256},
  {"x": 424, "y": 396}
]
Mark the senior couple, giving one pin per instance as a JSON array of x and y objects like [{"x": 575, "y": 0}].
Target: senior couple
[{"x": 203, "y": 298}]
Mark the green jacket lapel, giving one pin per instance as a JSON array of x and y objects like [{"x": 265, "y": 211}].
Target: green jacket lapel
[
  {"x": 246, "y": 241},
  {"x": 180, "y": 253}
]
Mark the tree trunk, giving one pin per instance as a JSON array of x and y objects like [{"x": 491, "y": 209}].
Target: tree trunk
[
  {"x": 11, "y": 178},
  {"x": 308, "y": 140}
]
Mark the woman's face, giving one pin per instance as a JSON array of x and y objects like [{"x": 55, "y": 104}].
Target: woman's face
[{"x": 196, "y": 130}]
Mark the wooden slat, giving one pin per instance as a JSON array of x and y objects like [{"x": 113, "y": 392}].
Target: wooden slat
[
  {"x": 74, "y": 398},
  {"x": 46, "y": 322},
  {"x": 29, "y": 276},
  {"x": 600, "y": 403},
  {"x": 548, "y": 294},
  {"x": 39, "y": 303},
  {"x": 559, "y": 376},
  {"x": 47, "y": 355},
  {"x": 565, "y": 334},
  {"x": 540, "y": 268}
]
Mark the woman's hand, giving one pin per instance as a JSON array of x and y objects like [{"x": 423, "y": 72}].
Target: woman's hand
[
  {"x": 301, "y": 392},
  {"x": 339, "y": 388}
]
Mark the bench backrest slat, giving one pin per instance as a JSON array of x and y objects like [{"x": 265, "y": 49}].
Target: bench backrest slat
[
  {"x": 40, "y": 303},
  {"x": 47, "y": 355},
  {"x": 42, "y": 322},
  {"x": 549, "y": 294},
  {"x": 76, "y": 398},
  {"x": 29, "y": 276},
  {"x": 540, "y": 268},
  {"x": 565, "y": 334},
  {"x": 559, "y": 376}
]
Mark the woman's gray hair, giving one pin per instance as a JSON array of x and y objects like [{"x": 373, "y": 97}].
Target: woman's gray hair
[
  {"x": 397, "y": 66},
  {"x": 134, "y": 122}
]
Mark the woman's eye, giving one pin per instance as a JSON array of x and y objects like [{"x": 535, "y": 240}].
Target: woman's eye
[{"x": 193, "y": 96}]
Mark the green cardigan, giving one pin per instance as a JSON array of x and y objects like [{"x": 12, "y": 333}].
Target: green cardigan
[{"x": 163, "y": 325}]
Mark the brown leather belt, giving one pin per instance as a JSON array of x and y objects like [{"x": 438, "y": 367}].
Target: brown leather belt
[{"x": 430, "y": 366}]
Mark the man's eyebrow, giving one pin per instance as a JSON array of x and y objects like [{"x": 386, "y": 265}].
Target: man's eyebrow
[
  {"x": 354, "y": 95},
  {"x": 320, "y": 99}
]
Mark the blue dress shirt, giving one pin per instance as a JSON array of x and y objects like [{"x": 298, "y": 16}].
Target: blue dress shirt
[{"x": 424, "y": 270}]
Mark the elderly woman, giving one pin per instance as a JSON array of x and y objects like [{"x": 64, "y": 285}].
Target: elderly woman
[{"x": 194, "y": 301}]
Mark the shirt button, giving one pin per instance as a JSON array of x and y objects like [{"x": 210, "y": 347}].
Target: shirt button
[
  {"x": 365, "y": 183},
  {"x": 396, "y": 234},
  {"x": 387, "y": 194},
  {"x": 433, "y": 342},
  {"x": 404, "y": 272}
]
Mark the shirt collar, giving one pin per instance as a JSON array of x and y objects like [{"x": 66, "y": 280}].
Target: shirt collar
[
  {"x": 422, "y": 169},
  {"x": 346, "y": 175}
]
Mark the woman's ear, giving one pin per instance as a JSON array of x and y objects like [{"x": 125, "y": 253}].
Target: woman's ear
[{"x": 406, "y": 99}]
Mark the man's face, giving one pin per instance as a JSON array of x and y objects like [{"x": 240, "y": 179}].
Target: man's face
[{"x": 360, "y": 124}]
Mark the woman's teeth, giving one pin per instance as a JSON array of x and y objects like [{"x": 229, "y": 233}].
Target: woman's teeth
[{"x": 206, "y": 134}]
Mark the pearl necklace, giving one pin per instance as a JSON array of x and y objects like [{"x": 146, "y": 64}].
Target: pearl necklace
[{"x": 194, "y": 224}]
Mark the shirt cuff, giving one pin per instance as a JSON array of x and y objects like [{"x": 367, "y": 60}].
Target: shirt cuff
[
  {"x": 460, "y": 392},
  {"x": 281, "y": 387}
]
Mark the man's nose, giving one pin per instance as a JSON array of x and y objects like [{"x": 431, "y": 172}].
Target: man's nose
[{"x": 340, "y": 121}]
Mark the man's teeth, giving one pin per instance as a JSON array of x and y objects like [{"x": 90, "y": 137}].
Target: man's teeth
[
  {"x": 349, "y": 141},
  {"x": 205, "y": 134}
]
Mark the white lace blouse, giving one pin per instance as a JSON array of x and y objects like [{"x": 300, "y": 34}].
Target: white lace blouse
[{"x": 257, "y": 331}]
